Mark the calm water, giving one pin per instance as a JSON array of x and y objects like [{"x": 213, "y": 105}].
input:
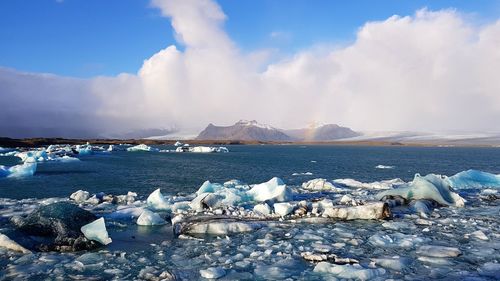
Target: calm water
[{"x": 143, "y": 172}]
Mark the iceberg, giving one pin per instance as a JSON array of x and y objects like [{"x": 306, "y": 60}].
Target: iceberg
[
  {"x": 274, "y": 189},
  {"x": 80, "y": 196},
  {"x": 432, "y": 187},
  {"x": 96, "y": 231},
  {"x": 142, "y": 147},
  {"x": 474, "y": 179},
  {"x": 283, "y": 209},
  {"x": 208, "y": 187},
  {"x": 369, "y": 211},
  {"x": 213, "y": 225},
  {"x": 385, "y": 184},
  {"x": 23, "y": 170},
  {"x": 318, "y": 185},
  {"x": 262, "y": 209},
  {"x": 178, "y": 143},
  {"x": 149, "y": 218},
  {"x": 84, "y": 149},
  {"x": 157, "y": 201},
  {"x": 212, "y": 272}
]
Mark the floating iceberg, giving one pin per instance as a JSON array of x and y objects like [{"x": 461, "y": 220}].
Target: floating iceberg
[
  {"x": 84, "y": 149},
  {"x": 142, "y": 147},
  {"x": 318, "y": 185},
  {"x": 96, "y": 231},
  {"x": 150, "y": 218},
  {"x": 384, "y": 167},
  {"x": 23, "y": 170},
  {"x": 178, "y": 143},
  {"x": 274, "y": 189},
  {"x": 474, "y": 179},
  {"x": 201, "y": 149},
  {"x": 80, "y": 196},
  {"x": 432, "y": 187},
  {"x": 157, "y": 201},
  {"x": 385, "y": 184}
]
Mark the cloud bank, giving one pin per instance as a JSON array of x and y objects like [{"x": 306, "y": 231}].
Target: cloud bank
[{"x": 432, "y": 71}]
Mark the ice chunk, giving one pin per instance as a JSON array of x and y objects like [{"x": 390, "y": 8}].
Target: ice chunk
[
  {"x": 274, "y": 189},
  {"x": 432, "y": 187},
  {"x": 438, "y": 251},
  {"x": 348, "y": 271},
  {"x": 178, "y": 143},
  {"x": 208, "y": 187},
  {"x": 369, "y": 211},
  {"x": 149, "y": 218},
  {"x": 283, "y": 209},
  {"x": 384, "y": 167},
  {"x": 110, "y": 148},
  {"x": 84, "y": 149},
  {"x": 263, "y": 209},
  {"x": 22, "y": 170},
  {"x": 80, "y": 196},
  {"x": 127, "y": 213},
  {"x": 202, "y": 149},
  {"x": 474, "y": 179},
  {"x": 318, "y": 185},
  {"x": 385, "y": 184},
  {"x": 142, "y": 147},
  {"x": 156, "y": 201},
  {"x": 212, "y": 272},
  {"x": 394, "y": 263},
  {"x": 96, "y": 231},
  {"x": 7, "y": 243}
]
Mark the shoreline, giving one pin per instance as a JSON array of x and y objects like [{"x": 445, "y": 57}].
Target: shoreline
[{"x": 36, "y": 142}]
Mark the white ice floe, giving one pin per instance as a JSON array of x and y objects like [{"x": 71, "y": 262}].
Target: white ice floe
[
  {"x": 348, "y": 271},
  {"x": 318, "y": 185},
  {"x": 178, "y": 143},
  {"x": 384, "y": 167},
  {"x": 96, "y": 231},
  {"x": 142, "y": 147},
  {"x": 263, "y": 209},
  {"x": 432, "y": 187},
  {"x": 283, "y": 209},
  {"x": 111, "y": 148},
  {"x": 157, "y": 201},
  {"x": 150, "y": 218},
  {"x": 212, "y": 272},
  {"x": 9, "y": 244},
  {"x": 28, "y": 168},
  {"x": 80, "y": 196},
  {"x": 438, "y": 251},
  {"x": 385, "y": 184},
  {"x": 274, "y": 189},
  {"x": 201, "y": 149},
  {"x": 220, "y": 227},
  {"x": 302, "y": 174}
]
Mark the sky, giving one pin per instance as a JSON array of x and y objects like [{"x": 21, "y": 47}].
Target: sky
[{"x": 93, "y": 68}]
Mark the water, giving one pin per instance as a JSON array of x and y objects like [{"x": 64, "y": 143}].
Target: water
[
  {"x": 143, "y": 172},
  {"x": 274, "y": 251}
]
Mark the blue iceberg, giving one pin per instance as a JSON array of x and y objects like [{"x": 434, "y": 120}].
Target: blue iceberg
[
  {"x": 474, "y": 179},
  {"x": 431, "y": 187}
]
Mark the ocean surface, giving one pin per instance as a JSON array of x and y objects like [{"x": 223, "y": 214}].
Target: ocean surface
[
  {"x": 144, "y": 172},
  {"x": 407, "y": 246}
]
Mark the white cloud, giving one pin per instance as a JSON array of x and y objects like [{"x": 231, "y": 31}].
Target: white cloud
[{"x": 431, "y": 71}]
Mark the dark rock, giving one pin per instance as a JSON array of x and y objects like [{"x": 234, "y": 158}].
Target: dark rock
[{"x": 59, "y": 224}]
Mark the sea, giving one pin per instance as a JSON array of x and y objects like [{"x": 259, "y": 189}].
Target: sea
[{"x": 375, "y": 250}]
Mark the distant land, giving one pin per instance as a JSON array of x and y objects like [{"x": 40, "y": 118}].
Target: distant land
[{"x": 253, "y": 132}]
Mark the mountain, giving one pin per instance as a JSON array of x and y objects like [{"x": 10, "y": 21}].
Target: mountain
[
  {"x": 327, "y": 132},
  {"x": 243, "y": 130}
]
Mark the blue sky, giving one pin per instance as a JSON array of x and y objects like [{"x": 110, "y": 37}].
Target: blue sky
[{"x": 94, "y": 37}]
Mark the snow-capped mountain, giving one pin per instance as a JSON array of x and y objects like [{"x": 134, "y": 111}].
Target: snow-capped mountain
[{"x": 243, "y": 130}]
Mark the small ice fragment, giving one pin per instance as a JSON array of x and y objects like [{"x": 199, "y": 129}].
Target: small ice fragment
[
  {"x": 156, "y": 201},
  {"x": 96, "y": 231},
  {"x": 438, "y": 251},
  {"x": 318, "y": 184},
  {"x": 80, "y": 196},
  {"x": 283, "y": 209},
  {"x": 7, "y": 243},
  {"x": 150, "y": 218},
  {"x": 262, "y": 209},
  {"x": 384, "y": 167},
  {"x": 348, "y": 271},
  {"x": 479, "y": 235},
  {"x": 212, "y": 272}
]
